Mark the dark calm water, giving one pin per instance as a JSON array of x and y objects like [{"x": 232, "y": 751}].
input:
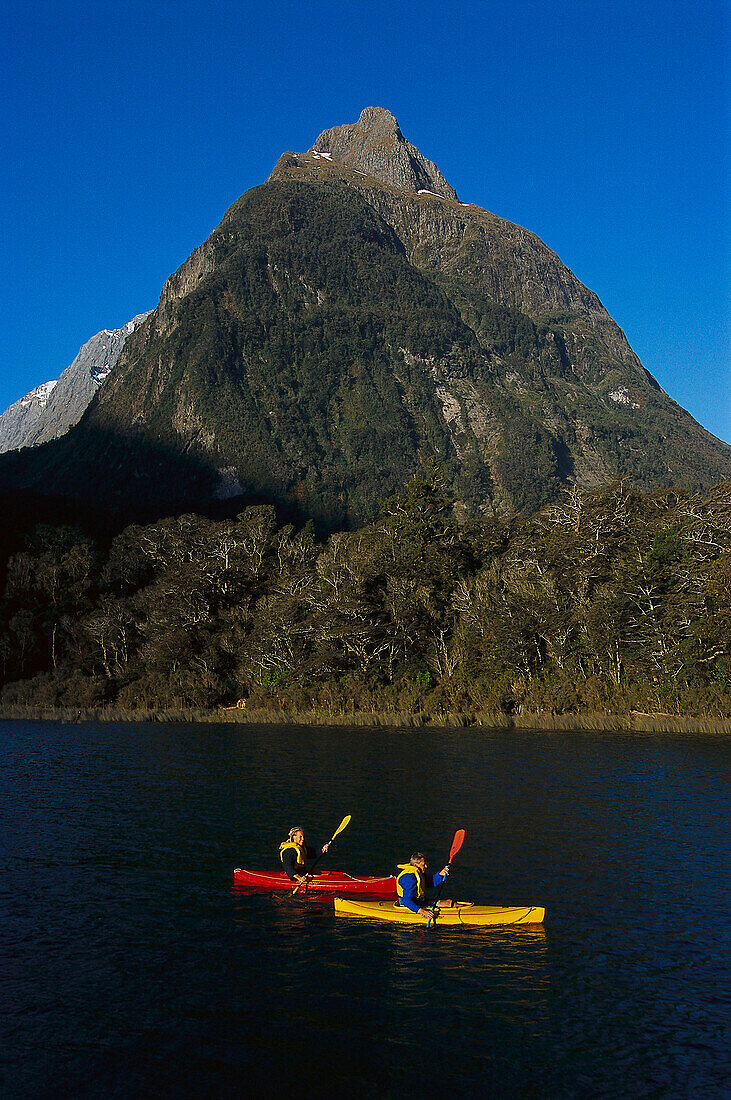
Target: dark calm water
[{"x": 129, "y": 967}]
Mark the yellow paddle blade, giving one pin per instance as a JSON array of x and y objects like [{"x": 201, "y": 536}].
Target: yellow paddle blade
[{"x": 341, "y": 826}]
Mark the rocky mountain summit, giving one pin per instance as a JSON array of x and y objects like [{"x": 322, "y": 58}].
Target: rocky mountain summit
[
  {"x": 48, "y": 411},
  {"x": 347, "y": 326},
  {"x": 375, "y": 146}
]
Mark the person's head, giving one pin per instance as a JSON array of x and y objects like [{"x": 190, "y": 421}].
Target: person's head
[
  {"x": 418, "y": 859},
  {"x": 297, "y": 835}
]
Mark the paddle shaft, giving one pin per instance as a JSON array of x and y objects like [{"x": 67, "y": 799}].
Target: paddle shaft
[{"x": 456, "y": 845}]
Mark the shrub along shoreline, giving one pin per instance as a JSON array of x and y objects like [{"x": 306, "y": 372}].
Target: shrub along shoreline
[{"x": 636, "y": 722}]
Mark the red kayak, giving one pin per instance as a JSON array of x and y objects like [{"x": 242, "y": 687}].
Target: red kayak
[{"x": 335, "y": 881}]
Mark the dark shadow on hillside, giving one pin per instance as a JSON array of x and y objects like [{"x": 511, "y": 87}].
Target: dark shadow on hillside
[{"x": 102, "y": 482}]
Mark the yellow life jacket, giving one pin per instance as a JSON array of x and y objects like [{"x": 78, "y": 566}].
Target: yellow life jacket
[
  {"x": 409, "y": 869},
  {"x": 301, "y": 859}
]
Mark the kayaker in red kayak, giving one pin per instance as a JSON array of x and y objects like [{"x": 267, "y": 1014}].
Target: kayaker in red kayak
[
  {"x": 294, "y": 854},
  {"x": 412, "y": 882}
]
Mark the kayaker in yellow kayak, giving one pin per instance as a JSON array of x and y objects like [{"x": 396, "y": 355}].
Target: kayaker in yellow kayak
[
  {"x": 412, "y": 882},
  {"x": 294, "y": 854}
]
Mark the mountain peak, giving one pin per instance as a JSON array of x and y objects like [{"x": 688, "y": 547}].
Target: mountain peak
[
  {"x": 375, "y": 145},
  {"x": 373, "y": 118}
]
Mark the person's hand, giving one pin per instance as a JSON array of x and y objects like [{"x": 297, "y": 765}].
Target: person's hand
[
  {"x": 326, "y": 846},
  {"x": 301, "y": 878},
  {"x": 444, "y": 871},
  {"x": 426, "y": 913}
]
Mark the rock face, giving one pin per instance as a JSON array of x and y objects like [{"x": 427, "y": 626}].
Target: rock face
[
  {"x": 349, "y": 323},
  {"x": 50, "y": 410},
  {"x": 19, "y": 420},
  {"x": 375, "y": 146}
]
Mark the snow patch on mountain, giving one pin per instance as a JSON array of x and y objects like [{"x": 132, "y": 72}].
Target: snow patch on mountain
[{"x": 38, "y": 396}]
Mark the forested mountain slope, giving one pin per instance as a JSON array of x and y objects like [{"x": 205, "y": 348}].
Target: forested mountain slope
[{"x": 348, "y": 323}]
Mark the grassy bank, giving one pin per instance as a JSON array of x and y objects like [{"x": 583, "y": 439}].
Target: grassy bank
[{"x": 636, "y": 721}]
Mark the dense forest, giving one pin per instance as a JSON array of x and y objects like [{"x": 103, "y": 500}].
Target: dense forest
[{"x": 610, "y": 601}]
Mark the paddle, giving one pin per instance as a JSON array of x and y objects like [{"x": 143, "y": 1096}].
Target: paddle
[
  {"x": 456, "y": 845},
  {"x": 308, "y": 876}
]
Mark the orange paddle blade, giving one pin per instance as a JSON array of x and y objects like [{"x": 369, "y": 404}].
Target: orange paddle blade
[{"x": 456, "y": 844}]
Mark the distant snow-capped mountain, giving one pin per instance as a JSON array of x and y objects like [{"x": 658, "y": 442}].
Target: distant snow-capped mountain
[
  {"x": 18, "y": 421},
  {"x": 52, "y": 408}
]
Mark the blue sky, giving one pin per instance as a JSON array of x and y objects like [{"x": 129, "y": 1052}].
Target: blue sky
[{"x": 128, "y": 130}]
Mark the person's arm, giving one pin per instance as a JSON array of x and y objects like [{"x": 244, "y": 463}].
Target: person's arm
[
  {"x": 409, "y": 900},
  {"x": 436, "y": 880},
  {"x": 314, "y": 853}
]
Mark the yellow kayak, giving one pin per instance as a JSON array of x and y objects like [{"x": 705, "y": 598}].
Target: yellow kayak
[{"x": 461, "y": 912}]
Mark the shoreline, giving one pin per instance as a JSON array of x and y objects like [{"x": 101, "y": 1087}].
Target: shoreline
[{"x": 636, "y": 721}]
